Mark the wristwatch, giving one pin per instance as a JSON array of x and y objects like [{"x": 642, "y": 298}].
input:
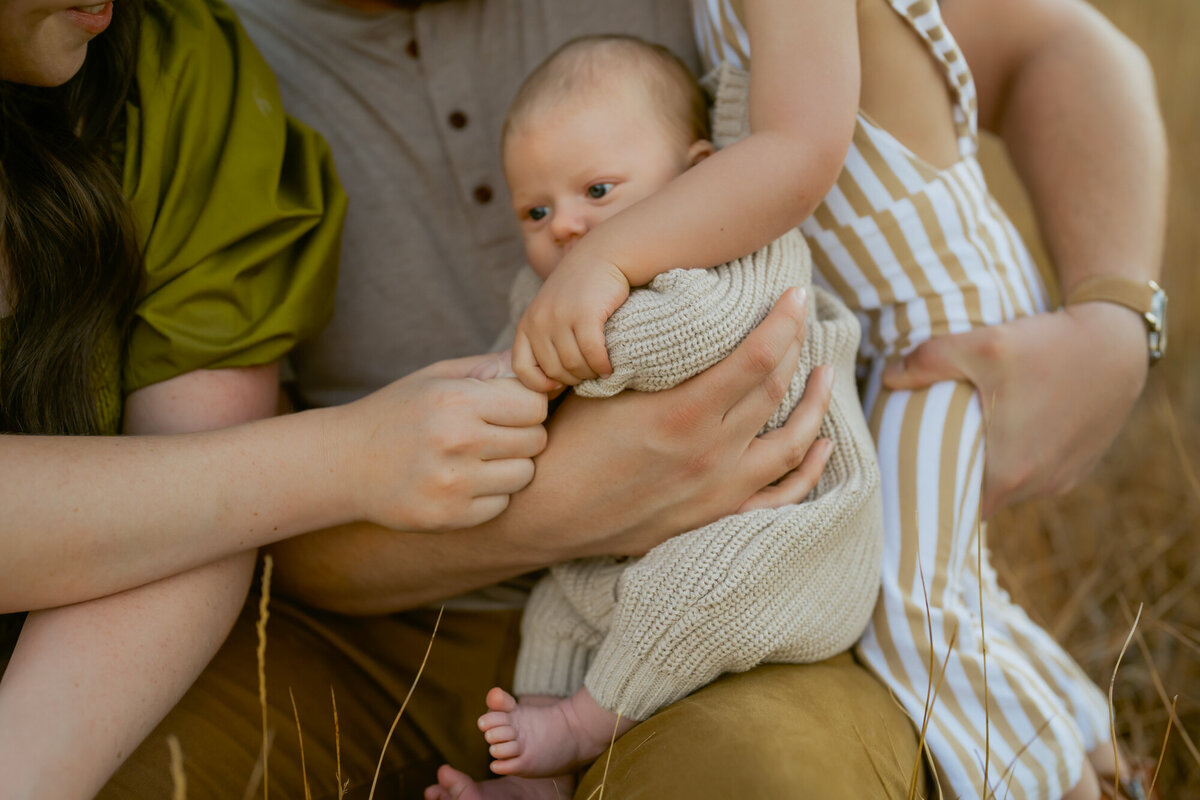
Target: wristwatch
[{"x": 1145, "y": 297}]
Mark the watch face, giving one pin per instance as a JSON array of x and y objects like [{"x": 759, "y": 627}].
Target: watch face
[{"x": 1156, "y": 322}]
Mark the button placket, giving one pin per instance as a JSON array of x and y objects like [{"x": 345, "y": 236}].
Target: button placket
[{"x": 468, "y": 139}]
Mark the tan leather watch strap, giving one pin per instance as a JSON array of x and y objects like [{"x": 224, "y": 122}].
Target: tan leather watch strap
[
  {"x": 1147, "y": 298},
  {"x": 1134, "y": 294}
]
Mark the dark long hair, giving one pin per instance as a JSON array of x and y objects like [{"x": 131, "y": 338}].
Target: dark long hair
[{"x": 68, "y": 248}]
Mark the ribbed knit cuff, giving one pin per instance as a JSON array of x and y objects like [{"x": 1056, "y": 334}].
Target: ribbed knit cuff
[
  {"x": 730, "y": 89},
  {"x": 635, "y": 690},
  {"x": 550, "y": 665}
]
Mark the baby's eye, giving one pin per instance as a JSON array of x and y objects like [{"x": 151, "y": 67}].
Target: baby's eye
[
  {"x": 598, "y": 190},
  {"x": 538, "y": 213}
]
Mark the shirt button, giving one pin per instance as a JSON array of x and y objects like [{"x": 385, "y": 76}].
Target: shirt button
[
  {"x": 413, "y": 49},
  {"x": 457, "y": 119},
  {"x": 483, "y": 194}
]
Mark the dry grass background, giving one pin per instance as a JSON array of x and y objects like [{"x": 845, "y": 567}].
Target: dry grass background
[{"x": 1130, "y": 535}]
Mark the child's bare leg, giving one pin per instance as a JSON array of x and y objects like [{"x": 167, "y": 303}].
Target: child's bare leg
[
  {"x": 543, "y": 736},
  {"x": 1087, "y": 788}
]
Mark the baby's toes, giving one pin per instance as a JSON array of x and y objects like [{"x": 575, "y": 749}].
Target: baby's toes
[
  {"x": 495, "y": 719},
  {"x": 507, "y": 749},
  {"x": 451, "y": 783},
  {"x": 503, "y": 733},
  {"x": 499, "y": 700}
]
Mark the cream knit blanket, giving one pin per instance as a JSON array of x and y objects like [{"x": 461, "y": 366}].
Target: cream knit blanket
[{"x": 795, "y": 584}]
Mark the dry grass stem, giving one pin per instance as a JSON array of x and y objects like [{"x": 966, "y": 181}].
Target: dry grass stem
[
  {"x": 300, "y": 738},
  {"x": 1180, "y": 637},
  {"x": 178, "y": 778},
  {"x": 932, "y": 688},
  {"x": 608, "y": 756},
  {"x": 987, "y": 705},
  {"x": 1112, "y": 717},
  {"x": 264, "y": 614},
  {"x": 1161, "y": 690},
  {"x": 256, "y": 773},
  {"x": 1004, "y": 776},
  {"x": 870, "y": 756},
  {"x": 1168, "y": 413},
  {"x": 404, "y": 705},
  {"x": 1162, "y": 754},
  {"x": 337, "y": 746}
]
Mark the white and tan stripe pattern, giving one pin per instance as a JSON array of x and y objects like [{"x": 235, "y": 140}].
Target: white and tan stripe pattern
[{"x": 918, "y": 252}]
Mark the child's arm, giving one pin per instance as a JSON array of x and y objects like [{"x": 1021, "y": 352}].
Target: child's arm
[{"x": 803, "y": 100}]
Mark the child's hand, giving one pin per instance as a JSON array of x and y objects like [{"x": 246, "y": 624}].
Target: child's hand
[{"x": 560, "y": 339}]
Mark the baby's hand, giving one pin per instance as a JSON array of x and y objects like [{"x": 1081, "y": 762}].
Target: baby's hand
[{"x": 560, "y": 338}]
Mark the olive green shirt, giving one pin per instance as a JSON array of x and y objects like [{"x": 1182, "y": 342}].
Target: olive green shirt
[{"x": 237, "y": 208}]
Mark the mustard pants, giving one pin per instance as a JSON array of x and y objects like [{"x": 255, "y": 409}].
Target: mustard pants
[{"x": 825, "y": 730}]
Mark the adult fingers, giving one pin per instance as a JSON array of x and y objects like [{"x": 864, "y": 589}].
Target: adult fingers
[
  {"x": 480, "y": 509},
  {"x": 785, "y": 449},
  {"x": 496, "y": 365},
  {"x": 505, "y": 401},
  {"x": 502, "y": 476},
  {"x": 508, "y": 442},
  {"x": 942, "y": 358},
  {"x": 757, "y": 358},
  {"x": 797, "y": 484},
  {"x": 460, "y": 367}
]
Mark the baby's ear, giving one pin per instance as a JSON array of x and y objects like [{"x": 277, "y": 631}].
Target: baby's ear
[{"x": 700, "y": 150}]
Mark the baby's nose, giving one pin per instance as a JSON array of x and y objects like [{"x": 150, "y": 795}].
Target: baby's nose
[{"x": 569, "y": 225}]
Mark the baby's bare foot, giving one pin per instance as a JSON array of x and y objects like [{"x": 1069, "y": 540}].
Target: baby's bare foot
[
  {"x": 455, "y": 785},
  {"x": 546, "y": 736}
]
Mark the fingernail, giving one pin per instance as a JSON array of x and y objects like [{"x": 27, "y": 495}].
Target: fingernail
[
  {"x": 826, "y": 449},
  {"x": 827, "y": 377}
]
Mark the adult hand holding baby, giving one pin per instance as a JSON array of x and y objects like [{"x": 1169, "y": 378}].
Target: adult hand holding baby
[
  {"x": 1031, "y": 375},
  {"x": 694, "y": 454},
  {"x": 439, "y": 449}
]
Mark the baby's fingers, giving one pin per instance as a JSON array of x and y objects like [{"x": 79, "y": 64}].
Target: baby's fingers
[
  {"x": 570, "y": 357},
  {"x": 594, "y": 350},
  {"x": 525, "y": 365}
]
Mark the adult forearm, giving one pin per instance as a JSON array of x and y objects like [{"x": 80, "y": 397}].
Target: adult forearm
[
  {"x": 1080, "y": 119},
  {"x": 89, "y": 681},
  {"x": 129, "y": 510},
  {"x": 367, "y": 569},
  {"x": 362, "y": 568},
  {"x": 618, "y": 477}
]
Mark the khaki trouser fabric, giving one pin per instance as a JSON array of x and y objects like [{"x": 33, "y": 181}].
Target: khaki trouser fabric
[{"x": 826, "y": 730}]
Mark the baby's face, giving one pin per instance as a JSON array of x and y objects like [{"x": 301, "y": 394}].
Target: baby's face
[{"x": 574, "y": 166}]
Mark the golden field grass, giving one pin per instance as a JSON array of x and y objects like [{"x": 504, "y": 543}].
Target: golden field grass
[{"x": 1081, "y": 564}]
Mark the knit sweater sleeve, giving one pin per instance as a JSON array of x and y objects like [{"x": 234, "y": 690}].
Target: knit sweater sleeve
[
  {"x": 686, "y": 320},
  {"x": 794, "y": 584}
]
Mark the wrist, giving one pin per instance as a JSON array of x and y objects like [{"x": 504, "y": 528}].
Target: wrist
[
  {"x": 332, "y": 489},
  {"x": 1115, "y": 330},
  {"x": 1145, "y": 298}
]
